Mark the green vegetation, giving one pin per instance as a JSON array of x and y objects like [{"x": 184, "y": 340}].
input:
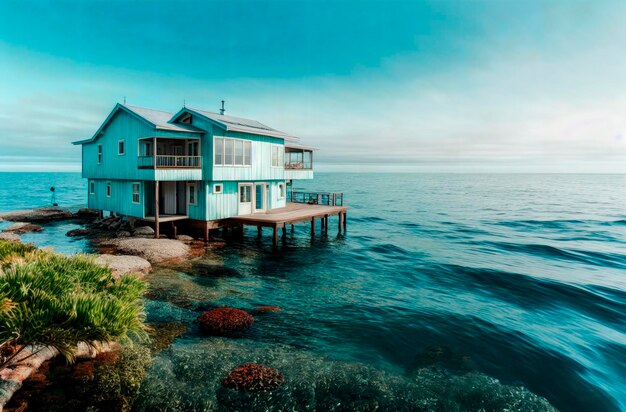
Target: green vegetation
[{"x": 48, "y": 299}]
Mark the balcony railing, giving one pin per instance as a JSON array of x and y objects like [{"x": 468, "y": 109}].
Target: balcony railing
[
  {"x": 298, "y": 165},
  {"x": 169, "y": 162},
  {"x": 316, "y": 198}
]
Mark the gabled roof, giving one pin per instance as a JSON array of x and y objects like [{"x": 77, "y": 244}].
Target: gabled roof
[
  {"x": 154, "y": 118},
  {"x": 237, "y": 124}
]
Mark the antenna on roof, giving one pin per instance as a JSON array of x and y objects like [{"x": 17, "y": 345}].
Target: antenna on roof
[
  {"x": 222, "y": 110},
  {"x": 184, "y": 102},
  {"x": 124, "y": 99}
]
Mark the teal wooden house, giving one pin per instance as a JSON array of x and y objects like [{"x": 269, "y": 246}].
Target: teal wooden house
[{"x": 194, "y": 165}]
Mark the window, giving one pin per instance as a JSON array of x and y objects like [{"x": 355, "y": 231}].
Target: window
[
  {"x": 219, "y": 151},
  {"x": 218, "y": 188},
  {"x": 232, "y": 152},
  {"x": 278, "y": 156},
  {"x": 229, "y": 150},
  {"x": 108, "y": 189},
  {"x": 247, "y": 158},
  {"x": 99, "y": 153},
  {"x": 245, "y": 194},
  {"x": 92, "y": 187},
  {"x": 136, "y": 199},
  {"x": 120, "y": 147},
  {"x": 193, "y": 195},
  {"x": 281, "y": 190}
]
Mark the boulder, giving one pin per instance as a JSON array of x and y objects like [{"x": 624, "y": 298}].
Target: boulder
[
  {"x": 154, "y": 250},
  {"x": 87, "y": 213},
  {"x": 143, "y": 231},
  {"x": 23, "y": 227},
  {"x": 225, "y": 321},
  {"x": 184, "y": 238},
  {"x": 124, "y": 264},
  {"x": 203, "y": 268},
  {"x": 122, "y": 233},
  {"x": 78, "y": 232},
  {"x": 40, "y": 215},
  {"x": 10, "y": 236},
  {"x": 253, "y": 377}
]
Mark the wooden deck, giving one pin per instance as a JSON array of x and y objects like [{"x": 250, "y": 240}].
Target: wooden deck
[
  {"x": 166, "y": 218},
  {"x": 293, "y": 213}
]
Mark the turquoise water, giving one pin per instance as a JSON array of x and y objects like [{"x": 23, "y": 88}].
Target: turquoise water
[{"x": 518, "y": 277}]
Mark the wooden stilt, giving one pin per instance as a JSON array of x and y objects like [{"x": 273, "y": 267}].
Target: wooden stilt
[
  {"x": 174, "y": 231},
  {"x": 312, "y": 227},
  {"x": 259, "y": 230},
  {"x": 156, "y": 209},
  {"x": 340, "y": 224},
  {"x": 345, "y": 220},
  {"x": 322, "y": 223},
  {"x": 292, "y": 228},
  {"x": 206, "y": 232},
  {"x": 275, "y": 236},
  {"x": 284, "y": 231}
]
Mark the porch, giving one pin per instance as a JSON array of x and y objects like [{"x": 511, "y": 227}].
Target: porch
[
  {"x": 170, "y": 153},
  {"x": 293, "y": 213}
]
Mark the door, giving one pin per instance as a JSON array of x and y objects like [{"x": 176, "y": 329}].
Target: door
[
  {"x": 260, "y": 197},
  {"x": 245, "y": 199},
  {"x": 168, "y": 193}
]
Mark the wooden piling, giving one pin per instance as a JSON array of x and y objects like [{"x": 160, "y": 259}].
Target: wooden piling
[
  {"x": 156, "y": 208},
  {"x": 313, "y": 227},
  {"x": 275, "y": 236}
]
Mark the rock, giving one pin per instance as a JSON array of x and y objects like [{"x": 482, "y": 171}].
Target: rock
[
  {"x": 225, "y": 321},
  {"x": 253, "y": 377},
  {"x": 23, "y": 227},
  {"x": 154, "y": 250},
  {"x": 40, "y": 215},
  {"x": 267, "y": 309},
  {"x": 78, "y": 232},
  {"x": 115, "y": 224},
  {"x": 122, "y": 233},
  {"x": 209, "y": 269},
  {"x": 123, "y": 264},
  {"x": 143, "y": 231},
  {"x": 10, "y": 236},
  {"x": 87, "y": 213},
  {"x": 184, "y": 238}
]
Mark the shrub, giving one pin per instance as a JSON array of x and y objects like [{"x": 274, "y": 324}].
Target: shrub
[{"x": 48, "y": 299}]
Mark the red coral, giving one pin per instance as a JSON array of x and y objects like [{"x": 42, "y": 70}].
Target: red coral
[
  {"x": 225, "y": 321},
  {"x": 253, "y": 377}
]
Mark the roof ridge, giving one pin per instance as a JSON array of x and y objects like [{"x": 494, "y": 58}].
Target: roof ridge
[{"x": 130, "y": 106}]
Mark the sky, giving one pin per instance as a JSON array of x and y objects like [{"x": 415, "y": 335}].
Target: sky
[{"x": 445, "y": 86}]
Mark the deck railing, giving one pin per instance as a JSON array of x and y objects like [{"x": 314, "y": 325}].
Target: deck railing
[
  {"x": 169, "y": 161},
  {"x": 316, "y": 198},
  {"x": 298, "y": 165}
]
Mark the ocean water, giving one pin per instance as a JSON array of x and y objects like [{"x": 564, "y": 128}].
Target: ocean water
[{"x": 521, "y": 278}]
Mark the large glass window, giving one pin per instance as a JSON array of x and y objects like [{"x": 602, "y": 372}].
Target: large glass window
[
  {"x": 278, "y": 156},
  {"x": 245, "y": 194},
  {"x": 232, "y": 152}
]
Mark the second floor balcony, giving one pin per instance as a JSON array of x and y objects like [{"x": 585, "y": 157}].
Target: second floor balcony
[
  {"x": 298, "y": 158},
  {"x": 162, "y": 153}
]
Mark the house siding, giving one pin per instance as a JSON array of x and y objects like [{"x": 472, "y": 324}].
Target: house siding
[{"x": 121, "y": 200}]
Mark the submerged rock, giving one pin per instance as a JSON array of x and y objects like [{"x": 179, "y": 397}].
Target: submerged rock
[
  {"x": 267, "y": 309},
  {"x": 79, "y": 232},
  {"x": 253, "y": 377},
  {"x": 40, "y": 215},
  {"x": 225, "y": 321},
  {"x": 124, "y": 264},
  {"x": 185, "y": 238},
  {"x": 210, "y": 269},
  {"x": 23, "y": 227},
  {"x": 162, "y": 334}
]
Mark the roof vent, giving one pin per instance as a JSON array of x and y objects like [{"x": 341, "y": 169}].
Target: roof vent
[{"x": 222, "y": 110}]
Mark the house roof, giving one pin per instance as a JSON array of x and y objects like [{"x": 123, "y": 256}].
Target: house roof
[
  {"x": 155, "y": 118},
  {"x": 239, "y": 124}
]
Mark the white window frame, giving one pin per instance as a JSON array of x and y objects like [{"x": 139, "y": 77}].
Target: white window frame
[
  {"x": 138, "y": 202},
  {"x": 245, "y": 143},
  {"x": 280, "y": 155},
  {"x": 92, "y": 187},
  {"x": 193, "y": 186},
  {"x": 100, "y": 156},
  {"x": 109, "y": 189},
  {"x": 281, "y": 190},
  {"x": 221, "y": 188},
  {"x": 123, "y": 152}
]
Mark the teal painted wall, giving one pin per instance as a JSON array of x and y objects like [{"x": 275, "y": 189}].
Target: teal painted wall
[
  {"x": 226, "y": 204},
  {"x": 121, "y": 200}
]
